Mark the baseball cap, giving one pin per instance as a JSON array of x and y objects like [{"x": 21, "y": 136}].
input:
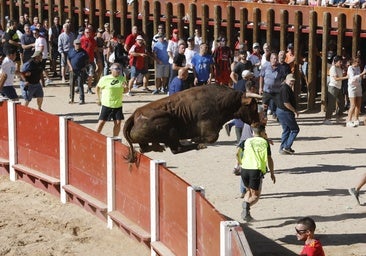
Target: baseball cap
[
  {"x": 246, "y": 73},
  {"x": 290, "y": 46},
  {"x": 139, "y": 37},
  {"x": 36, "y": 53},
  {"x": 190, "y": 38},
  {"x": 290, "y": 77},
  {"x": 255, "y": 45}
]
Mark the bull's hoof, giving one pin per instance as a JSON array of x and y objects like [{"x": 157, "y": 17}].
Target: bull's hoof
[
  {"x": 157, "y": 148},
  {"x": 201, "y": 146}
]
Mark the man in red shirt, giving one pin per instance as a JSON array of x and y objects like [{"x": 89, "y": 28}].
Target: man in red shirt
[
  {"x": 131, "y": 39},
  {"x": 305, "y": 228},
  {"x": 222, "y": 59},
  {"x": 89, "y": 44},
  {"x": 138, "y": 64}
]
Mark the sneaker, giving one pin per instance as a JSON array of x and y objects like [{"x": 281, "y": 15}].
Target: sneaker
[
  {"x": 90, "y": 91},
  {"x": 289, "y": 151},
  {"x": 76, "y": 89},
  {"x": 247, "y": 217},
  {"x": 129, "y": 94},
  {"x": 242, "y": 195},
  {"x": 327, "y": 122},
  {"x": 269, "y": 112},
  {"x": 155, "y": 92},
  {"x": 81, "y": 102},
  {"x": 355, "y": 194},
  {"x": 146, "y": 90},
  {"x": 350, "y": 124},
  {"x": 48, "y": 81},
  {"x": 356, "y": 123},
  {"x": 227, "y": 129}
]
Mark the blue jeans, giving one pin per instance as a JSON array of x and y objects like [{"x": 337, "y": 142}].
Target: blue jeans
[{"x": 290, "y": 129}]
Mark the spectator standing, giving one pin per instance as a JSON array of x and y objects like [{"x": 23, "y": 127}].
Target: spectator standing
[
  {"x": 41, "y": 45},
  {"x": 27, "y": 40},
  {"x": 107, "y": 36},
  {"x": 202, "y": 66},
  {"x": 354, "y": 92},
  {"x": 290, "y": 57},
  {"x": 121, "y": 56},
  {"x": 255, "y": 58},
  {"x": 334, "y": 95},
  {"x": 222, "y": 58},
  {"x": 179, "y": 60},
  {"x": 138, "y": 57},
  {"x": 189, "y": 53},
  {"x": 53, "y": 34},
  {"x": 12, "y": 41},
  {"x": 99, "y": 56},
  {"x": 172, "y": 50},
  {"x": 77, "y": 60},
  {"x": 240, "y": 66},
  {"x": 21, "y": 24},
  {"x": 65, "y": 44},
  {"x": 162, "y": 64},
  {"x": 178, "y": 84},
  {"x": 254, "y": 163},
  {"x": 270, "y": 80},
  {"x": 161, "y": 32},
  {"x": 110, "y": 94},
  {"x": 7, "y": 73},
  {"x": 31, "y": 74},
  {"x": 287, "y": 113},
  {"x": 197, "y": 40},
  {"x": 131, "y": 39},
  {"x": 305, "y": 229},
  {"x": 89, "y": 44},
  {"x": 282, "y": 65}
]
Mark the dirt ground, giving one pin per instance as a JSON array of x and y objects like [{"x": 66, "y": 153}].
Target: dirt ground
[{"x": 313, "y": 182}]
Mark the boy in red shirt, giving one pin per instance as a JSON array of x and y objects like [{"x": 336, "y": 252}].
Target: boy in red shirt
[{"x": 305, "y": 229}]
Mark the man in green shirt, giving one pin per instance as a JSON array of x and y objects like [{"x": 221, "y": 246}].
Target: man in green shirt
[
  {"x": 110, "y": 92},
  {"x": 256, "y": 158}
]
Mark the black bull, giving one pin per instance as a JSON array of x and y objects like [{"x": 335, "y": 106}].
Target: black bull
[{"x": 196, "y": 114}]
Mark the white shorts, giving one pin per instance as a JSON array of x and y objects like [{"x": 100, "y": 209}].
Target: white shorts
[
  {"x": 354, "y": 91},
  {"x": 162, "y": 70}
]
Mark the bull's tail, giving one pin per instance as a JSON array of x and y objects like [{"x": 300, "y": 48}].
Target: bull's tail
[{"x": 127, "y": 134}]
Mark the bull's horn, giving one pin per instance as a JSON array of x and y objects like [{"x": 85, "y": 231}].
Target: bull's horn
[{"x": 253, "y": 95}]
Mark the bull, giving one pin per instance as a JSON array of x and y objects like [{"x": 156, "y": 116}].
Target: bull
[{"x": 195, "y": 115}]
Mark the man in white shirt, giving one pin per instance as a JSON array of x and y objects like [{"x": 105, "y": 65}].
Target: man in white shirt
[
  {"x": 7, "y": 73},
  {"x": 42, "y": 46}
]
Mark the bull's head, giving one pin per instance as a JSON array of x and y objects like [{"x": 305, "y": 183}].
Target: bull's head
[{"x": 248, "y": 112}]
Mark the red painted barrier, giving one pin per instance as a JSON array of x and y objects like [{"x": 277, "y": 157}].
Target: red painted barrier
[{"x": 4, "y": 144}]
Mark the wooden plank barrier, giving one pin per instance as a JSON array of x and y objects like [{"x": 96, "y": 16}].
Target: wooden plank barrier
[{"x": 4, "y": 144}]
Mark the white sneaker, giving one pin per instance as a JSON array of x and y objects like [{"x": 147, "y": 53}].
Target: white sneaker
[
  {"x": 269, "y": 112},
  {"x": 350, "y": 124},
  {"x": 129, "y": 94},
  {"x": 356, "y": 123},
  {"x": 327, "y": 122},
  {"x": 48, "y": 81}
]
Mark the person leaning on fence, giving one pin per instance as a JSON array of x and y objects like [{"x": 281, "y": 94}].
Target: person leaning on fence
[
  {"x": 7, "y": 73},
  {"x": 254, "y": 163},
  {"x": 110, "y": 93},
  {"x": 31, "y": 75},
  {"x": 77, "y": 61}
]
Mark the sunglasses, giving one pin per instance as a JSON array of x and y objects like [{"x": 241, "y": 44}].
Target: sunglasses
[{"x": 300, "y": 231}]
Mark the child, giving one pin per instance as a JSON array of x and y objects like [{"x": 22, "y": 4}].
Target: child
[{"x": 305, "y": 229}]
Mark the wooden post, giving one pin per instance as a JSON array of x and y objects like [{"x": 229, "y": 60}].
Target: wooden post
[
  {"x": 324, "y": 68},
  {"x": 12, "y": 10},
  {"x": 180, "y": 16},
  {"x": 297, "y": 47},
  {"x": 61, "y": 9},
  {"x": 2, "y": 13},
  {"x": 20, "y": 8},
  {"x": 270, "y": 27},
  {"x": 243, "y": 24},
  {"x": 31, "y": 11},
  {"x": 40, "y": 13},
  {"x": 157, "y": 14},
  {"x": 112, "y": 15},
  {"x": 102, "y": 12},
  {"x": 356, "y": 34},
  {"x": 217, "y": 21},
  {"x": 50, "y": 4},
  {"x": 81, "y": 12},
  {"x": 312, "y": 59},
  {"x": 92, "y": 15},
  {"x": 168, "y": 19},
  {"x": 230, "y": 26},
  {"x": 193, "y": 18},
  {"x": 205, "y": 17},
  {"x": 134, "y": 13},
  {"x": 123, "y": 19},
  {"x": 256, "y": 24},
  {"x": 71, "y": 15},
  {"x": 145, "y": 20},
  {"x": 284, "y": 29},
  {"x": 341, "y": 32}
]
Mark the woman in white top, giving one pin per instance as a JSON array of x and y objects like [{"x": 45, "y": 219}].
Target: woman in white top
[{"x": 354, "y": 92}]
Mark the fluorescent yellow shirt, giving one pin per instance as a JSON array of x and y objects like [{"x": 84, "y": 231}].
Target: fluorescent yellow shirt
[
  {"x": 255, "y": 155},
  {"x": 112, "y": 90}
]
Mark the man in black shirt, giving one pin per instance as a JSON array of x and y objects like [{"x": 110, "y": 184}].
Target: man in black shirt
[{"x": 286, "y": 111}]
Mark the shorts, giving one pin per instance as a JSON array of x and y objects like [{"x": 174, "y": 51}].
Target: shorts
[
  {"x": 107, "y": 113},
  {"x": 135, "y": 72},
  {"x": 90, "y": 69},
  {"x": 252, "y": 178},
  {"x": 55, "y": 52},
  {"x": 64, "y": 59},
  {"x": 267, "y": 97},
  {"x": 34, "y": 91},
  {"x": 162, "y": 71},
  {"x": 354, "y": 91},
  {"x": 9, "y": 92}
]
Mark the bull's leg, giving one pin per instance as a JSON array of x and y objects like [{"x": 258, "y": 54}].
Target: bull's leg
[
  {"x": 184, "y": 148},
  {"x": 145, "y": 147}
]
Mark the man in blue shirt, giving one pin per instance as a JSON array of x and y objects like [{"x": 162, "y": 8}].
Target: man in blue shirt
[
  {"x": 177, "y": 84},
  {"x": 202, "y": 66},
  {"x": 77, "y": 61},
  {"x": 162, "y": 63}
]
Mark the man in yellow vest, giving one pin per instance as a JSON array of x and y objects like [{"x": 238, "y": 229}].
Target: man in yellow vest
[{"x": 254, "y": 163}]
